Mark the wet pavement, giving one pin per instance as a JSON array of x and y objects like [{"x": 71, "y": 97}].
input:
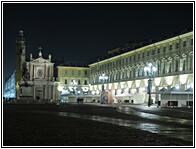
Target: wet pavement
[
  {"x": 182, "y": 133},
  {"x": 171, "y": 124}
]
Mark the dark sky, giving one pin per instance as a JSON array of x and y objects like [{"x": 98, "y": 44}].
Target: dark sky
[{"x": 80, "y": 31}]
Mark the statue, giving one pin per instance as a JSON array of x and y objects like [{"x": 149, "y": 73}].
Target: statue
[{"x": 25, "y": 75}]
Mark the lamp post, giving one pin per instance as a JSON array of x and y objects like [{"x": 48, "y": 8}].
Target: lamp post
[
  {"x": 150, "y": 71},
  {"x": 73, "y": 83},
  {"x": 102, "y": 79}
]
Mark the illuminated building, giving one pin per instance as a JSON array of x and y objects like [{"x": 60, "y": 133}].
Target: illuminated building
[
  {"x": 173, "y": 58},
  {"x": 127, "y": 79},
  {"x": 39, "y": 85},
  {"x": 9, "y": 89},
  {"x": 73, "y": 80},
  {"x": 41, "y": 82}
]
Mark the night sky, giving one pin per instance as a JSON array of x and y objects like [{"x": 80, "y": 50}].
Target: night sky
[{"x": 80, "y": 31}]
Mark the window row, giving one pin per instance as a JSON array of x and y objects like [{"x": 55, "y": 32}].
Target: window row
[
  {"x": 78, "y": 82},
  {"x": 166, "y": 67},
  {"x": 74, "y": 72},
  {"x": 138, "y": 56}
]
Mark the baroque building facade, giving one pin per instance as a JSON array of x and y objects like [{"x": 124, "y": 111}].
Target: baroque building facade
[
  {"x": 172, "y": 57},
  {"x": 34, "y": 79}
]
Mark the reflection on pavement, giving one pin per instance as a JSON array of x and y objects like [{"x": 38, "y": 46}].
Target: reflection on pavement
[
  {"x": 130, "y": 111},
  {"x": 181, "y": 133}
]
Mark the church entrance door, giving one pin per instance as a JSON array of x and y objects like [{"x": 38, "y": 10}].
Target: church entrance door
[{"x": 39, "y": 94}]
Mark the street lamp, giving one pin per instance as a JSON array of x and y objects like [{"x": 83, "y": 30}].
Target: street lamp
[
  {"x": 102, "y": 79},
  {"x": 73, "y": 83},
  {"x": 150, "y": 72}
]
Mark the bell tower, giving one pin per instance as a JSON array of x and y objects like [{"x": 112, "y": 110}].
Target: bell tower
[{"x": 20, "y": 55}]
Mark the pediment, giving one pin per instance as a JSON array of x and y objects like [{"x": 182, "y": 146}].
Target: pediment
[{"x": 40, "y": 60}]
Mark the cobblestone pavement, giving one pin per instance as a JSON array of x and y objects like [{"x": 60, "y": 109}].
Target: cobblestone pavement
[{"x": 96, "y": 125}]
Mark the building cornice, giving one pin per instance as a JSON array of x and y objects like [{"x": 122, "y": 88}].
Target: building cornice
[{"x": 144, "y": 48}]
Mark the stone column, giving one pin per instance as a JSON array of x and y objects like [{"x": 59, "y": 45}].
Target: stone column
[
  {"x": 51, "y": 69},
  {"x": 156, "y": 95},
  {"x": 31, "y": 72},
  {"x": 180, "y": 64},
  {"x": 34, "y": 92},
  {"x": 51, "y": 91},
  {"x": 54, "y": 92},
  {"x": 45, "y": 92},
  {"x": 17, "y": 91},
  {"x": 46, "y": 72}
]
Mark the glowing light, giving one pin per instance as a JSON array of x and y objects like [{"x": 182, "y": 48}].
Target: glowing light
[
  {"x": 146, "y": 82},
  {"x": 154, "y": 69},
  {"x": 60, "y": 87},
  {"x": 110, "y": 86},
  {"x": 157, "y": 81},
  {"x": 103, "y": 77},
  {"x": 142, "y": 89},
  {"x": 137, "y": 83},
  {"x": 97, "y": 91},
  {"x": 150, "y": 69},
  {"x": 183, "y": 79},
  {"x": 100, "y": 86},
  {"x": 73, "y": 83},
  {"x": 93, "y": 92},
  {"x": 177, "y": 86},
  {"x": 85, "y": 89},
  {"x": 191, "y": 85},
  {"x": 116, "y": 85},
  {"x": 129, "y": 84},
  {"x": 169, "y": 80},
  {"x": 122, "y": 84}
]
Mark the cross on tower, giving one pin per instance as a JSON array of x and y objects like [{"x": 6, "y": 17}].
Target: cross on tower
[{"x": 40, "y": 53}]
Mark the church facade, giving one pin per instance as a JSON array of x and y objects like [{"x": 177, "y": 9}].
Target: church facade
[{"x": 34, "y": 78}]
